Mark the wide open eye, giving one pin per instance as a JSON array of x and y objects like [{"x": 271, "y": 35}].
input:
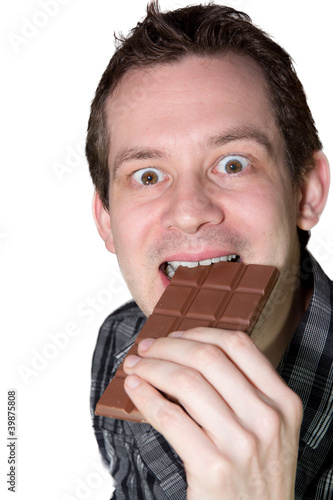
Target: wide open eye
[
  {"x": 148, "y": 176},
  {"x": 232, "y": 164}
]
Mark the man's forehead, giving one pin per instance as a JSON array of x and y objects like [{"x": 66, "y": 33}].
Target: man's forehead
[
  {"x": 196, "y": 92},
  {"x": 137, "y": 83}
]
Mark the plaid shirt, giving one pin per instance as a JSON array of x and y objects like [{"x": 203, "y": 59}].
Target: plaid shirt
[{"x": 143, "y": 463}]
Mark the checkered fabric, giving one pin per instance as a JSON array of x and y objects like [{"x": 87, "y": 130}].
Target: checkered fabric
[{"x": 145, "y": 466}]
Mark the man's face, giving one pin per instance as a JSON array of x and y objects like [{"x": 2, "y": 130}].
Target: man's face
[{"x": 197, "y": 172}]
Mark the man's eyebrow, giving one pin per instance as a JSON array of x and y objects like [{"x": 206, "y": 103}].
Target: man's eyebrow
[
  {"x": 135, "y": 153},
  {"x": 237, "y": 134}
]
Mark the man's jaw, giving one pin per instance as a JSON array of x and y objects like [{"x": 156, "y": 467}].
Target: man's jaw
[{"x": 169, "y": 267}]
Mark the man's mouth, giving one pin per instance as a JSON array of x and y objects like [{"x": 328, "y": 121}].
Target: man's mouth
[{"x": 169, "y": 268}]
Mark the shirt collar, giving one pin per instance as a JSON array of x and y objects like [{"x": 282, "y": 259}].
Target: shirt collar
[{"x": 307, "y": 363}]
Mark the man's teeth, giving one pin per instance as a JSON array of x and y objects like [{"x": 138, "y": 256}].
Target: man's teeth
[{"x": 171, "y": 267}]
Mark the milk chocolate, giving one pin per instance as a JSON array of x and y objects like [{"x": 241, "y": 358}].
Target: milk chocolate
[{"x": 226, "y": 295}]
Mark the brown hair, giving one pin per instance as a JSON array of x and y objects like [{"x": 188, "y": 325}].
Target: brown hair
[{"x": 205, "y": 30}]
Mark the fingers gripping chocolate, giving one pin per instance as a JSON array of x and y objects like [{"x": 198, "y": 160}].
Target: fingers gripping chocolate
[{"x": 226, "y": 295}]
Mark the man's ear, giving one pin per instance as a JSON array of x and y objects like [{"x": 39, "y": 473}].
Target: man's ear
[
  {"x": 313, "y": 193},
  {"x": 103, "y": 222}
]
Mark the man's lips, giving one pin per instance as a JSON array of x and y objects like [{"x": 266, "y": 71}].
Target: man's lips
[{"x": 169, "y": 267}]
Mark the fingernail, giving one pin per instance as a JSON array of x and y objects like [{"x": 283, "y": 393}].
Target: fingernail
[
  {"x": 132, "y": 381},
  {"x": 175, "y": 334},
  {"x": 131, "y": 361},
  {"x": 145, "y": 344}
]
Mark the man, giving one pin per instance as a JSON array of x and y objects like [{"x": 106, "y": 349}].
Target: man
[{"x": 202, "y": 147}]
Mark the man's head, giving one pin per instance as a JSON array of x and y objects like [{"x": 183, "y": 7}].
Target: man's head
[
  {"x": 210, "y": 30},
  {"x": 201, "y": 152}
]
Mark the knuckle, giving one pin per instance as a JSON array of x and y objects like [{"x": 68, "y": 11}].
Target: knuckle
[
  {"x": 206, "y": 354},
  {"x": 168, "y": 415},
  {"x": 249, "y": 446},
  {"x": 220, "y": 470},
  {"x": 194, "y": 333},
  {"x": 294, "y": 407},
  {"x": 297, "y": 405},
  {"x": 237, "y": 340},
  {"x": 186, "y": 379},
  {"x": 271, "y": 421}
]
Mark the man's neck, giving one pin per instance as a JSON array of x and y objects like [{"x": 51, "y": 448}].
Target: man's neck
[{"x": 280, "y": 319}]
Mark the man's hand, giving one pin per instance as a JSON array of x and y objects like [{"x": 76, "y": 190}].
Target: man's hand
[{"x": 238, "y": 430}]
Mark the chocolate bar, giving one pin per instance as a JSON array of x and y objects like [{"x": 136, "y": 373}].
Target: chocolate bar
[{"x": 227, "y": 295}]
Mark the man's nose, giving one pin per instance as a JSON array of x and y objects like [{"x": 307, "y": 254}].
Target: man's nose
[{"x": 192, "y": 204}]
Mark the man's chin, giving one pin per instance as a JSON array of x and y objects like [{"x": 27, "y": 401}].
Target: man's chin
[
  {"x": 147, "y": 302},
  {"x": 146, "y": 307}
]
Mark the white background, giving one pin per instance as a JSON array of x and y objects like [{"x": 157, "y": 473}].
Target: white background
[{"x": 58, "y": 282}]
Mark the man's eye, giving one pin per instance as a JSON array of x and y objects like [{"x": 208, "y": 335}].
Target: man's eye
[
  {"x": 232, "y": 164},
  {"x": 148, "y": 176}
]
